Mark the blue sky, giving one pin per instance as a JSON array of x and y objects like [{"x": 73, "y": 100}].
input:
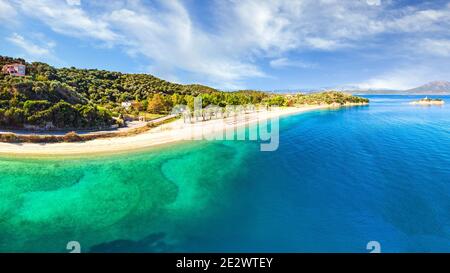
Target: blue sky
[{"x": 237, "y": 44}]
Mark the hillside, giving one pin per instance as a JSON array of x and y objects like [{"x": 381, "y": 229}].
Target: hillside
[{"x": 78, "y": 98}]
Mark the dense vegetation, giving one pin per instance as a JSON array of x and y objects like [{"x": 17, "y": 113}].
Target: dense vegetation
[
  {"x": 328, "y": 98},
  {"x": 89, "y": 98}
]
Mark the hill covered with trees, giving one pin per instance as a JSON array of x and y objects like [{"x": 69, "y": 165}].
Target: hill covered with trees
[
  {"x": 78, "y": 98},
  {"x": 90, "y": 98}
]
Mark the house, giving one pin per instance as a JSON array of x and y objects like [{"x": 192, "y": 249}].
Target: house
[
  {"x": 131, "y": 104},
  {"x": 126, "y": 104},
  {"x": 15, "y": 69}
]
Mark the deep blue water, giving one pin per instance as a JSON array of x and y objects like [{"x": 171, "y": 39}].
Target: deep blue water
[{"x": 340, "y": 179}]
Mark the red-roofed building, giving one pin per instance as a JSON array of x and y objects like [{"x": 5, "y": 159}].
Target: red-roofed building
[{"x": 14, "y": 69}]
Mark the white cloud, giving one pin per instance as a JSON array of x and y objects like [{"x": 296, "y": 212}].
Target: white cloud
[
  {"x": 439, "y": 47},
  {"x": 171, "y": 41},
  {"x": 282, "y": 25},
  {"x": 73, "y": 2},
  {"x": 319, "y": 43},
  {"x": 32, "y": 49},
  {"x": 264, "y": 25},
  {"x": 6, "y": 11},
  {"x": 68, "y": 19},
  {"x": 412, "y": 20},
  {"x": 167, "y": 37},
  {"x": 285, "y": 62}
]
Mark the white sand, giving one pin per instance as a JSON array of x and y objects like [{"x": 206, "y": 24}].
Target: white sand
[{"x": 167, "y": 133}]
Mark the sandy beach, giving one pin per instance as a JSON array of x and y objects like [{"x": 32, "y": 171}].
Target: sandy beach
[{"x": 164, "y": 134}]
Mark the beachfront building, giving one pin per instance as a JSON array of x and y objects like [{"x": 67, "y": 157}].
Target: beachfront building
[{"x": 15, "y": 69}]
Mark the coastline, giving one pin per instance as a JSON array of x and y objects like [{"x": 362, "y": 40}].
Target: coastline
[{"x": 172, "y": 132}]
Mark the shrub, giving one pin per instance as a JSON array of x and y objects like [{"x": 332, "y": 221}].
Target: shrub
[{"x": 72, "y": 137}]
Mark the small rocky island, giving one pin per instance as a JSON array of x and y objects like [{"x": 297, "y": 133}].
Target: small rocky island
[{"x": 428, "y": 101}]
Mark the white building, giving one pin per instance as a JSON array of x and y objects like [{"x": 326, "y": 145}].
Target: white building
[
  {"x": 14, "y": 69},
  {"x": 126, "y": 104}
]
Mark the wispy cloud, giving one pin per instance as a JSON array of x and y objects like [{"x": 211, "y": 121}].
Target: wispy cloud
[
  {"x": 170, "y": 40},
  {"x": 406, "y": 77},
  {"x": 439, "y": 47},
  {"x": 68, "y": 19},
  {"x": 73, "y": 2},
  {"x": 286, "y": 63},
  {"x": 31, "y": 48},
  {"x": 373, "y": 2}
]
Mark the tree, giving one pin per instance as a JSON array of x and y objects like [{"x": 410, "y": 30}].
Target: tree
[
  {"x": 177, "y": 99},
  {"x": 156, "y": 105}
]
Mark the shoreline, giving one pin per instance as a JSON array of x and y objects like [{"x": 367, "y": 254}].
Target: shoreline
[{"x": 176, "y": 131}]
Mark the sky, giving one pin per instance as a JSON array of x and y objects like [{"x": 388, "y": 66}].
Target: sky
[{"x": 239, "y": 44}]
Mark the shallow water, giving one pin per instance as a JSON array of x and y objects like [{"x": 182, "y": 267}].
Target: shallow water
[{"x": 339, "y": 179}]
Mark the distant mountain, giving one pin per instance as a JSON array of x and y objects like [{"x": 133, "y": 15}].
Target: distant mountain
[
  {"x": 436, "y": 87},
  {"x": 355, "y": 89}
]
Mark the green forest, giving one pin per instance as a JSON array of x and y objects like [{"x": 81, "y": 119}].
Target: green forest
[{"x": 91, "y": 99}]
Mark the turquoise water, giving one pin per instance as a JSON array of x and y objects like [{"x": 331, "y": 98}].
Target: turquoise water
[{"x": 340, "y": 179}]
